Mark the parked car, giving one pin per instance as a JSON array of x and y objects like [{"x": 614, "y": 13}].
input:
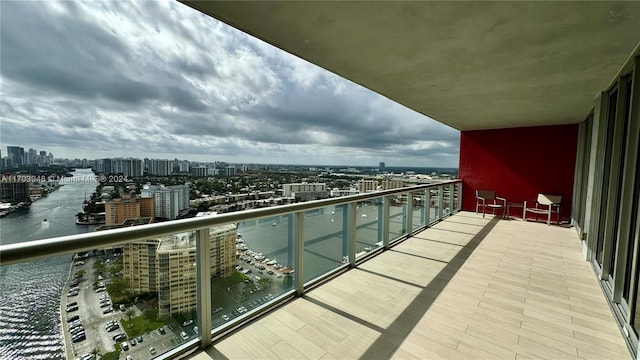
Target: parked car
[
  {"x": 162, "y": 331},
  {"x": 124, "y": 346},
  {"x": 187, "y": 323},
  {"x": 184, "y": 335},
  {"x": 139, "y": 338},
  {"x": 119, "y": 337},
  {"x": 152, "y": 350},
  {"x": 107, "y": 310}
]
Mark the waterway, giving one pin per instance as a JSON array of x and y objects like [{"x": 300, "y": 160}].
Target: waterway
[{"x": 30, "y": 292}]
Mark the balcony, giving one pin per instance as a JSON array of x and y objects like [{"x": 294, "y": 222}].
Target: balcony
[
  {"x": 385, "y": 286},
  {"x": 466, "y": 288}
]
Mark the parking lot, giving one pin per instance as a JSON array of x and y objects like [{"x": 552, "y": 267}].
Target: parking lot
[
  {"x": 92, "y": 317},
  {"x": 97, "y": 316},
  {"x": 154, "y": 339}
]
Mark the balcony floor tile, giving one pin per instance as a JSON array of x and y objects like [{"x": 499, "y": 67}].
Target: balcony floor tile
[{"x": 467, "y": 288}]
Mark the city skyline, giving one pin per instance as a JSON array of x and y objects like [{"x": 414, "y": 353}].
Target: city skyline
[
  {"x": 160, "y": 80},
  {"x": 190, "y": 164}
]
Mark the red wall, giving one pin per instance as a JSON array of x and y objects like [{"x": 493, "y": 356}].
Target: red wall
[{"x": 519, "y": 163}]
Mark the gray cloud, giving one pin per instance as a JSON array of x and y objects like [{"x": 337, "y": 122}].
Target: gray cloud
[{"x": 155, "y": 77}]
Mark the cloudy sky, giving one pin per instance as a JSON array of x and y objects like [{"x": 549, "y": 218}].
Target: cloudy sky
[{"x": 156, "y": 79}]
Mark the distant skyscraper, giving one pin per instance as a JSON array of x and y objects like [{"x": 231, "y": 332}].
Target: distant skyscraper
[
  {"x": 16, "y": 154},
  {"x": 199, "y": 171},
  {"x": 132, "y": 167},
  {"x": 381, "y": 167},
  {"x": 162, "y": 167},
  {"x": 231, "y": 170}
]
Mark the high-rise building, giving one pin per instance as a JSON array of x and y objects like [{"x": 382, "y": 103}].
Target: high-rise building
[
  {"x": 381, "y": 167},
  {"x": 183, "y": 166},
  {"x": 167, "y": 266},
  {"x": 230, "y": 171},
  {"x": 160, "y": 167},
  {"x": 139, "y": 260},
  {"x": 199, "y": 171},
  {"x": 169, "y": 201},
  {"x": 132, "y": 167},
  {"x": 16, "y": 154}
]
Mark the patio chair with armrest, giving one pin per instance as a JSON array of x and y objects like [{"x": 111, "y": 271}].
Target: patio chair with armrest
[
  {"x": 488, "y": 199},
  {"x": 545, "y": 205}
]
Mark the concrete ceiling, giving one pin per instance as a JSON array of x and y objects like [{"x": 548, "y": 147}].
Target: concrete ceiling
[{"x": 470, "y": 65}]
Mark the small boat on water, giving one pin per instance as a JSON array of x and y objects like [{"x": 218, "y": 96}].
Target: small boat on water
[{"x": 45, "y": 220}]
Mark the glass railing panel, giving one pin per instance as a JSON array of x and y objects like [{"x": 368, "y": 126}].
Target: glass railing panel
[
  {"x": 369, "y": 219},
  {"x": 397, "y": 216},
  {"x": 263, "y": 268},
  {"x": 137, "y": 299},
  {"x": 434, "y": 204},
  {"x": 446, "y": 200},
  {"x": 419, "y": 208},
  {"x": 325, "y": 240},
  {"x": 66, "y": 306}
]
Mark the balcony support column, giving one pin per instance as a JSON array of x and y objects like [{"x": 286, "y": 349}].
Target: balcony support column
[
  {"x": 409, "y": 213},
  {"x": 203, "y": 271},
  {"x": 351, "y": 233},
  {"x": 299, "y": 249},
  {"x": 385, "y": 221}
]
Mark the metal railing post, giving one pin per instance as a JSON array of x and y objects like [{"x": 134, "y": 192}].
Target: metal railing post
[
  {"x": 451, "y": 199},
  {"x": 299, "y": 236},
  {"x": 386, "y": 202},
  {"x": 459, "y": 205},
  {"x": 381, "y": 222},
  {"x": 409, "y": 212},
  {"x": 351, "y": 233},
  {"x": 203, "y": 273},
  {"x": 426, "y": 207},
  {"x": 440, "y": 202}
]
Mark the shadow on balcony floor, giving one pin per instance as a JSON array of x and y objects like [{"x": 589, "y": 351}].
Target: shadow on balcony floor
[{"x": 468, "y": 288}]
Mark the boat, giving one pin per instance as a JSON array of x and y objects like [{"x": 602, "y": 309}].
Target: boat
[
  {"x": 45, "y": 220},
  {"x": 274, "y": 224}
]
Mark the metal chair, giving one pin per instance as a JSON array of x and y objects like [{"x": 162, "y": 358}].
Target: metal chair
[
  {"x": 488, "y": 199},
  {"x": 546, "y": 205}
]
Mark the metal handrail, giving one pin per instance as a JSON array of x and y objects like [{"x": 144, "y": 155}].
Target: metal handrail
[{"x": 37, "y": 249}]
